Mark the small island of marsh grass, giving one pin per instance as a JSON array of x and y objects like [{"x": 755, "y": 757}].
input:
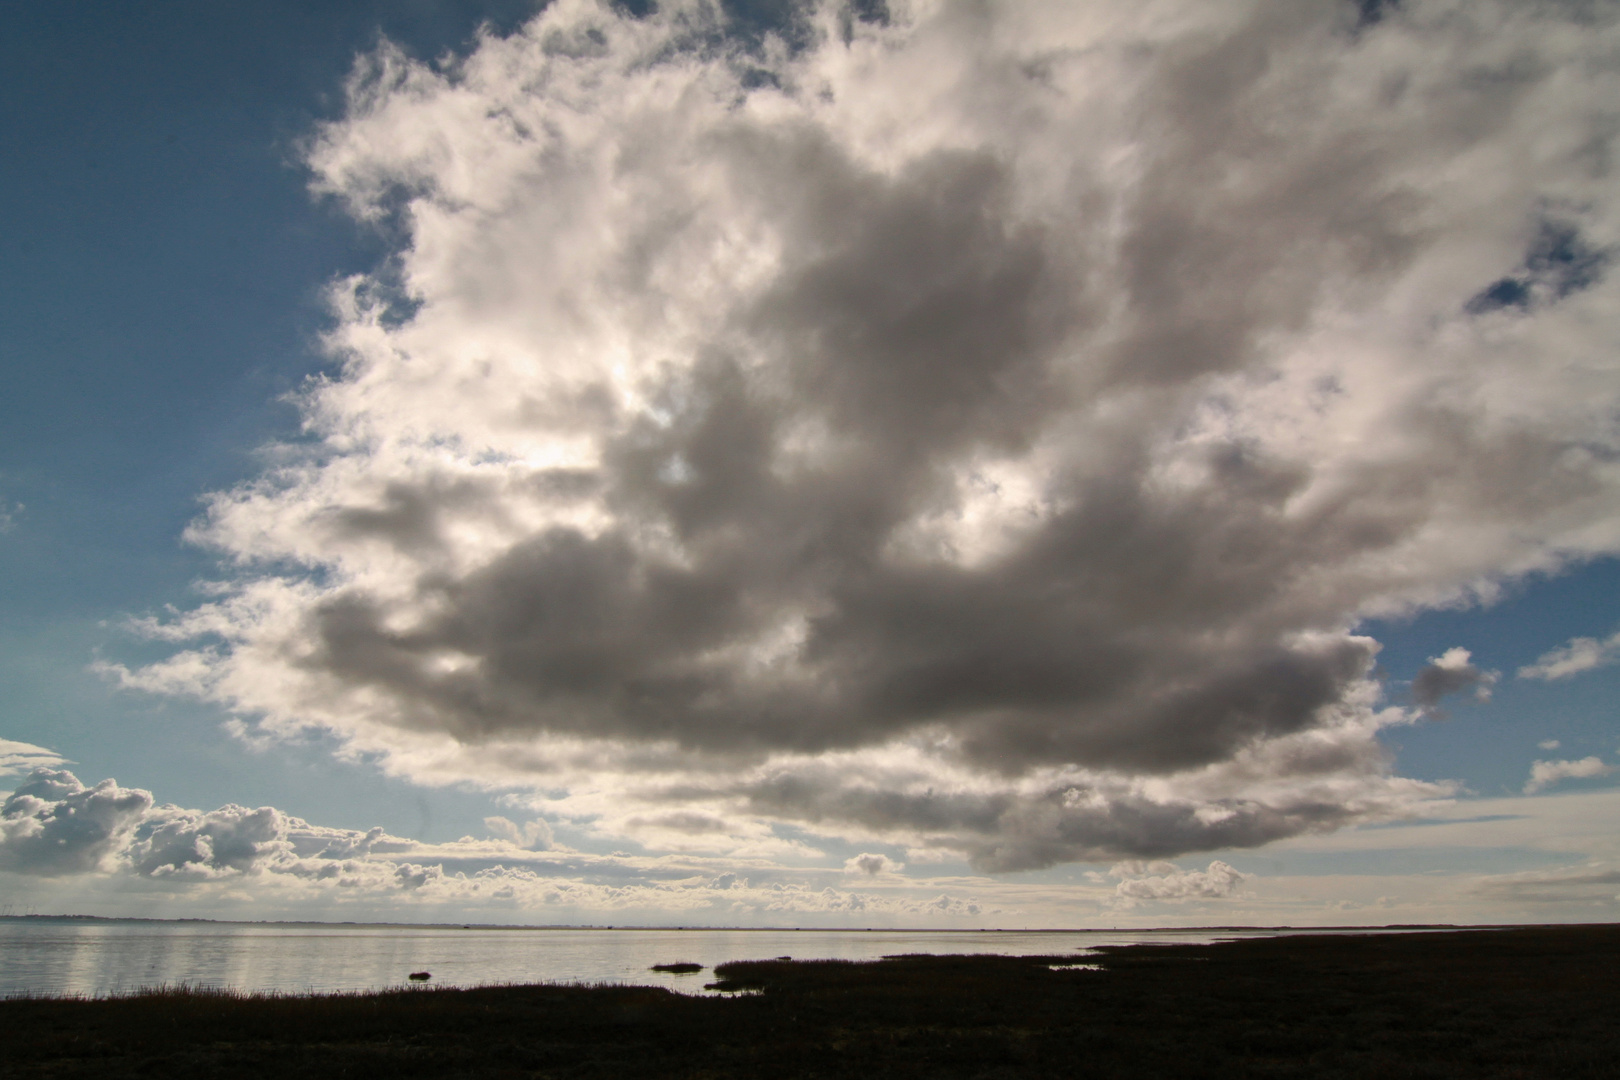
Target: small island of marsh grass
[{"x": 1508, "y": 1003}]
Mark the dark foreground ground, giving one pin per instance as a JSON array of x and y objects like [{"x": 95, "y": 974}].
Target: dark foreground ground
[{"x": 1536, "y": 1002}]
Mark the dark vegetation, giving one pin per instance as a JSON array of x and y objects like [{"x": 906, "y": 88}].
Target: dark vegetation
[
  {"x": 681, "y": 967},
  {"x": 1531, "y": 1002}
]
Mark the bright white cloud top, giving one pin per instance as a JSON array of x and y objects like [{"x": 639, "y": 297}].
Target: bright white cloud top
[{"x": 979, "y": 434}]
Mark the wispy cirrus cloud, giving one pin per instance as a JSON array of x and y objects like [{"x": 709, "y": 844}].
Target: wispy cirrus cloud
[
  {"x": 978, "y": 433},
  {"x": 1593, "y": 882},
  {"x": 20, "y": 758}
]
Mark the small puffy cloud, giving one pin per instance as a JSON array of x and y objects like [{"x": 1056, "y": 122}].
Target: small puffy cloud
[
  {"x": 20, "y": 757},
  {"x": 1164, "y": 881},
  {"x": 872, "y": 865},
  {"x": 1581, "y": 654},
  {"x": 52, "y": 824},
  {"x": 1450, "y": 673},
  {"x": 1544, "y": 774},
  {"x": 1549, "y": 744},
  {"x": 944, "y": 904},
  {"x": 414, "y": 876}
]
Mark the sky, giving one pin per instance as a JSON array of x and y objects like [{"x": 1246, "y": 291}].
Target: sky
[{"x": 821, "y": 464}]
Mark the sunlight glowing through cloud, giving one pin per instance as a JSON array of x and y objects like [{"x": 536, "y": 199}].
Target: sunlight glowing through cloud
[{"x": 980, "y": 432}]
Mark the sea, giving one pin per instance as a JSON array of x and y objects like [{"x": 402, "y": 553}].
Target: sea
[{"x": 83, "y": 957}]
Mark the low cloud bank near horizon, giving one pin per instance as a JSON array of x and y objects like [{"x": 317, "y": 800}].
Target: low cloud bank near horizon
[
  {"x": 980, "y": 431},
  {"x": 105, "y": 848},
  {"x": 54, "y": 826}
]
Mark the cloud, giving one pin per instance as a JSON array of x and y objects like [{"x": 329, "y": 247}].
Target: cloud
[
  {"x": 535, "y": 834},
  {"x": 872, "y": 865},
  {"x": 1549, "y": 744},
  {"x": 1544, "y": 774},
  {"x": 1164, "y": 881},
  {"x": 1581, "y": 654},
  {"x": 21, "y": 757},
  {"x": 1451, "y": 673},
  {"x": 232, "y": 838},
  {"x": 414, "y": 876},
  {"x": 1558, "y": 263},
  {"x": 52, "y": 824},
  {"x": 1594, "y": 881},
  {"x": 980, "y": 433}
]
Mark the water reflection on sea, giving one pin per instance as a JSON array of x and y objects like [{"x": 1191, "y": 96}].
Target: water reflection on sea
[{"x": 65, "y": 956}]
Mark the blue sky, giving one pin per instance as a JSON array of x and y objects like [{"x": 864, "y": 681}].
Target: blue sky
[
  {"x": 163, "y": 269},
  {"x": 184, "y": 186}
]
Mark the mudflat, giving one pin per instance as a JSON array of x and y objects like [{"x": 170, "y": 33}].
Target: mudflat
[{"x": 1506, "y": 1003}]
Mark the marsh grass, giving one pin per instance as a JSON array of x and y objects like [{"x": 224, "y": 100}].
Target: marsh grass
[
  {"x": 1535, "y": 1002},
  {"x": 679, "y": 967}
]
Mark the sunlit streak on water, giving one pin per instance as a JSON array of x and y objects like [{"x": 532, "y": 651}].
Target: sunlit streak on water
[{"x": 59, "y": 957}]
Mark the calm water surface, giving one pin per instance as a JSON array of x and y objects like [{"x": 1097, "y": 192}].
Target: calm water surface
[{"x": 51, "y": 956}]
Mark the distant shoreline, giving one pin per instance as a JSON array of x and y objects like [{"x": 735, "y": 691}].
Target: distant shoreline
[{"x": 1235, "y": 928}]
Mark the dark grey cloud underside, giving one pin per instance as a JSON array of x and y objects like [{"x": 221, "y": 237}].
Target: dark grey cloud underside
[
  {"x": 1434, "y": 682},
  {"x": 1004, "y": 833}
]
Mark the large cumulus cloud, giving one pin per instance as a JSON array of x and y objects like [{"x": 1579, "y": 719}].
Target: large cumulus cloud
[
  {"x": 982, "y": 430},
  {"x": 52, "y": 824}
]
